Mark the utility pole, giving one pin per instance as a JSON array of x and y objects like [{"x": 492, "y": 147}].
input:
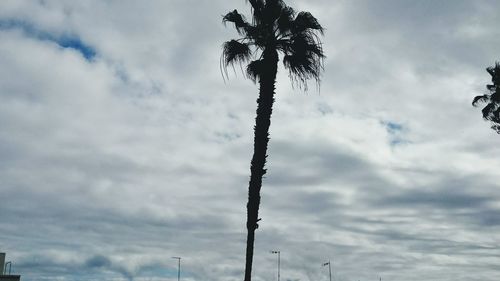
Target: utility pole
[
  {"x": 178, "y": 268},
  {"x": 329, "y": 268},
  {"x": 277, "y": 252}
]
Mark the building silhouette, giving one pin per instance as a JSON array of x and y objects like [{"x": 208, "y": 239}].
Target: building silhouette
[{"x": 4, "y": 273}]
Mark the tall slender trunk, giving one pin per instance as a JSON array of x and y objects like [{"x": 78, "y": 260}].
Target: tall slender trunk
[{"x": 261, "y": 139}]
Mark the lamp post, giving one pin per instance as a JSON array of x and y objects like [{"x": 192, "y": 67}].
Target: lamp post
[
  {"x": 277, "y": 252},
  {"x": 178, "y": 268},
  {"x": 329, "y": 268}
]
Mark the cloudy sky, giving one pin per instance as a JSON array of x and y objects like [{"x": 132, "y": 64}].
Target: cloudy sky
[{"x": 122, "y": 146}]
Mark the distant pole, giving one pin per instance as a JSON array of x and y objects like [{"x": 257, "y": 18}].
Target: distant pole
[
  {"x": 329, "y": 268},
  {"x": 277, "y": 252},
  {"x": 178, "y": 268}
]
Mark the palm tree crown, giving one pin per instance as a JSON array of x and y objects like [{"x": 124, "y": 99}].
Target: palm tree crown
[
  {"x": 276, "y": 27},
  {"x": 491, "y": 111}
]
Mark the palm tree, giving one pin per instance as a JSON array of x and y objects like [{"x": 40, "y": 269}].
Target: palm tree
[
  {"x": 275, "y": 28},
  {"x": 491, "y": 111}
]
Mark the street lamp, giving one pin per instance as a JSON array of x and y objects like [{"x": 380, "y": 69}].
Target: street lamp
[
  {"x": 329, "y": 268},
  {"x": 277, "y": 252},
  {"x": 178, "y": 268}
]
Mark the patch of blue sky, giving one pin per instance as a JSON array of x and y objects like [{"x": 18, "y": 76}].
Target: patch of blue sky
[
  {"x": 67, "y": 41},
  {"x": 324, "y": 108},
  {"x": 397, "y": 141},
  {"x": 395, "y": 131},
  {"x": 393, "y": 127},
  {"x": 76, "y": 44}
]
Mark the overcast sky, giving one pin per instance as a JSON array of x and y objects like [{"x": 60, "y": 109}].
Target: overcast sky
[{"x": 122, "y": 146}]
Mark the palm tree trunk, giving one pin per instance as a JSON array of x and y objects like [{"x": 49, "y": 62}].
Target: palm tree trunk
[{"x": 261, "y": 139}]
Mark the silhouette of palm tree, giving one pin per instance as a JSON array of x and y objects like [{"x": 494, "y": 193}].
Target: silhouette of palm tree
[
  {"x": 274, "y": 28},
  {"x": 491, "y": 111}
]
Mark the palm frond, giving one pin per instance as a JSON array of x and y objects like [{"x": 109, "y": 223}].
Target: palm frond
[
  {"x": 305, "y": 21},
  {"x": 496, "y": 128},
  {"x": 239, "y": 21},
  {"x": 306, "y": 43},
  {"x": 256, "y": 4},
  {"x": 257, "y": 10},
  {"x": 488, "y": 111},
  {"x": 495, "y": 115},
  {"x": 491, "y": 112},
  {"x": 285, "y": 20},
  {"x": 302, "y": 68},
  {"x": 255, "y": 69},
  {"x": 494, "y": 71},
  {"x": 304, "y": 58},
  {"x": 495, "y": 97},
  {"x": 272, "y": 11},
  {"x": 491, "y": 71},
  {"x": 483, "y": 98},
  {"x": 235, "y": 52}
]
